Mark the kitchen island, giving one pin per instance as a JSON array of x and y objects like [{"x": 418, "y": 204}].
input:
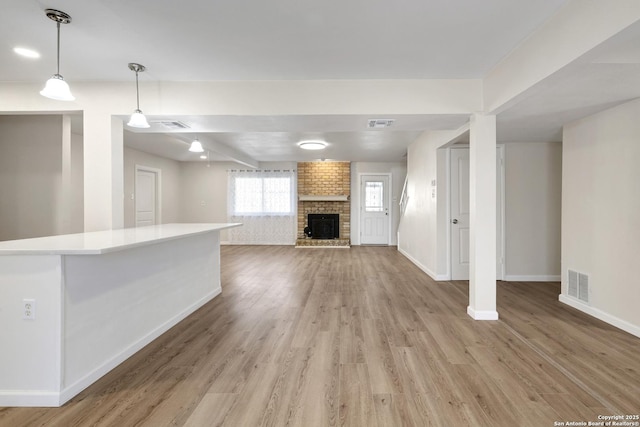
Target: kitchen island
[{"x": 73, "y": 307}]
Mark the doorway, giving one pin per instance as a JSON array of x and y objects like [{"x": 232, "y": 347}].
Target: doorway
[
  {"x": 147, "y": 196},
  {"x": 459, "y": 212},
  {"x": 375, "y": 218}
]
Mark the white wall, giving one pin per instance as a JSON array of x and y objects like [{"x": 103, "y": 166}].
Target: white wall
[
  {"x": 532, "y": 208},
  {"x": 31, "y": 169},
  {"x": 204, "y": 190},
  {"x": 601, "y": 212},
  {"x": 171, "y": 185},
  {"x": 423, "y": 227},
  {"x": 398, "y": 172},
  {"x": 533, "y": 184}
]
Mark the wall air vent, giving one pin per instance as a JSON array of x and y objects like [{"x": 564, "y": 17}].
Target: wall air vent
[
  {"x": 583, "y": 287},
  {"x": 573, "y": 284},
  {"x": 170, "y": 124},
  {"x": 379, "y": 123},
  {"x": 578, "y": 286}
]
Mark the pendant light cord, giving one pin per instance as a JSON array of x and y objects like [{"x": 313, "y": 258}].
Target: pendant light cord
[
  {"x": 58, "y": 58},
  {"x": 137, "y": 92}
]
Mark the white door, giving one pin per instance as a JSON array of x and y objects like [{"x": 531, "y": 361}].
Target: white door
[
  {"x": 460, "y": 213},
  {"x": 374, "y": 210},
  {"x": 146, "y": 197}
]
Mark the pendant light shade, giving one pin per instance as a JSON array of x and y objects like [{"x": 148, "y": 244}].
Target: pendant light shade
[
  {"x": 196, "y": 146},
  {"x": 137, "y": 120},
  {"x": 56, "y": 87}
]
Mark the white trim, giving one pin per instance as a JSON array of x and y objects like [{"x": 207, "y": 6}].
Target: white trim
[
  {"x": 447, "y": 209},
  {"x": 502, "y": 225},
  {"x": 532, "y": 278},
  {"x": 158, "y": 173},
  {"x": 422, "y": 267},
  {"x": 599, "y": 314},
  {"x": 482, "y": 314},
  {"x": 48, "y": 399},
  {"x": 389, "y": 204}
]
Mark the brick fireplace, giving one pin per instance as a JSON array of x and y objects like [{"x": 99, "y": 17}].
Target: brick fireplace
[{"x": 324, "y": 188}]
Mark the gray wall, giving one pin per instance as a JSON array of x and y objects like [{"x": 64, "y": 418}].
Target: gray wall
[
  {"x": 32, "y": 197},
  {"x": 533, "y": 188}
]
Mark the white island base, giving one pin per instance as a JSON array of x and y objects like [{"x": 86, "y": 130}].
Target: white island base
[{"x": 95, "y": 300}]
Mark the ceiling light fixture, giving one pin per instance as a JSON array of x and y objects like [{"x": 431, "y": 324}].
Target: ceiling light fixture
[
  {"x": 312, "y": 145},
  {"x": 137, "y": 120},
  {"x": 27, "y": 53},
  {"x": 196, "y": 146},
  {"x": 56, "y": 87}
]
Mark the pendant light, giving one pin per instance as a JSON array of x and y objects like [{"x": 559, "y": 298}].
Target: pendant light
[
  {"x": 56, "y": 87},
  {"x": 138, "y": 120},
  {"x": 196, "y": 146}
]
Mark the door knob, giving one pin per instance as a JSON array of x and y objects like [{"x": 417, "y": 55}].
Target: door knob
[{"x": 455, "y": 221}]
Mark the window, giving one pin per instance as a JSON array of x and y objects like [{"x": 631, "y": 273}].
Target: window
[
  {"x": 261, "y": 193},
  {"x": 373, "y": 196},
  {"x": 264, "y": 202}
]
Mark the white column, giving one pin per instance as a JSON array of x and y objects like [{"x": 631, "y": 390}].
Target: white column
[
  {"x": 103, "y": 171},
  {"x": 482, "y": 198}
]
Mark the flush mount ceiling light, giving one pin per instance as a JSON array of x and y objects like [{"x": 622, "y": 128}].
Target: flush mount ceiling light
[
  {"x": 196, "y": 146},
  {"x": 312, "y": 145},
  {"x": 138, "y": 120},
  {"x": 56, "y": 87}
]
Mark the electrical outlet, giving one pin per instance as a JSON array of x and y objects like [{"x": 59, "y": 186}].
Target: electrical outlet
[{"x": 29, "y": 309}]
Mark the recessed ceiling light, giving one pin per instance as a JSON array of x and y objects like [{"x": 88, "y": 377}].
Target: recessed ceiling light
[
  {"x": 203, "y": 156},
  {"x": 27, "y": 53},
  {"x": 312, "y": 145}
]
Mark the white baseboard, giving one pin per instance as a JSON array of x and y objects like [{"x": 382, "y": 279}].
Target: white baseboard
[
  {"x": 44, "y": 399},
  {"x": 91, "y": 377},
  {"x": 422, "y": 267},
  {"x": 531, "y": 278},
  {"x": 482, "y": 314},
  {"x": 599, "y": 314}
]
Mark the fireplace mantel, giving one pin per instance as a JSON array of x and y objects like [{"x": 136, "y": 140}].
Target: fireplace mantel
[{"x": 330, "y": 198}]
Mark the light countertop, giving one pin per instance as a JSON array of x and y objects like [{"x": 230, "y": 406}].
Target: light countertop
[{"x": 101, "y": 242}]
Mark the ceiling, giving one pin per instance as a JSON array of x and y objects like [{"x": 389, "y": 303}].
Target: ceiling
[{"x": 199, "y": 40}]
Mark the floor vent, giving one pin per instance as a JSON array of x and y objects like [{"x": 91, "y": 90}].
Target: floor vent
[{"x": 578, "y": 286}]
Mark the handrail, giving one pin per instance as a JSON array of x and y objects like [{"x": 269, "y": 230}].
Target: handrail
[{"x": 404, "y": 197}]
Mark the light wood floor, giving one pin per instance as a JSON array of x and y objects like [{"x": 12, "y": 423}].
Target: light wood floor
[{"x": 361, "y": 337}]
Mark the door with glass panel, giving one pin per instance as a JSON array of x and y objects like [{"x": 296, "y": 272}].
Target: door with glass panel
[{"x": 374, "y": 210}]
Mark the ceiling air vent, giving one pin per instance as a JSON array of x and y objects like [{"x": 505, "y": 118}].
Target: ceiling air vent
[
  {"x": 170, "y": 124},
  {"x": 380, "y": 123}
]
